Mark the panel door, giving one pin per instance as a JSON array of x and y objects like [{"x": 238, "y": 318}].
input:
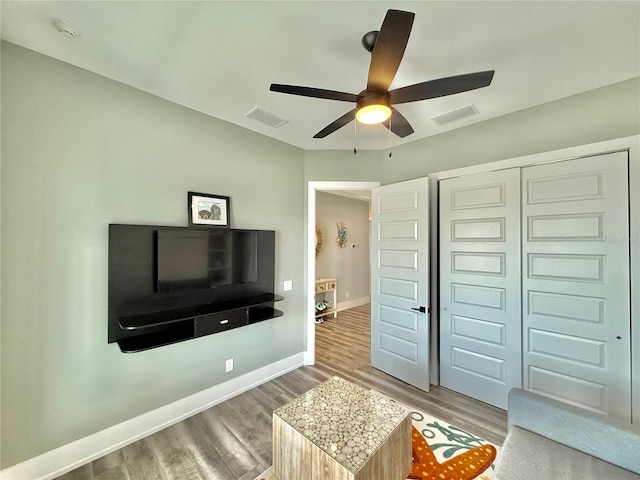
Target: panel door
[
  {"x": 400, "y": 281},
  {"x": 480, "y": 297},
  {"x": 576, "y": 282}
]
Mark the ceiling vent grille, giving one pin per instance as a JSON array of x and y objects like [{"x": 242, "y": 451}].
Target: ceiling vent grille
[
  {"x": 265, "y": 117},
  {"x": 455, "y": 115}
]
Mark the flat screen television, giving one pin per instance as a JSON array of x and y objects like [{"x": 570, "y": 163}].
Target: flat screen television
[
  {"x": 195, "y": 259},
  {"x": 161, "y": 278}
]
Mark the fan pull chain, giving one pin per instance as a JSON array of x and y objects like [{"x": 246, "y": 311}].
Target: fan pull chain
[
  {"x": 355, "y": 127},
  {"x": 389, "y": 136}
]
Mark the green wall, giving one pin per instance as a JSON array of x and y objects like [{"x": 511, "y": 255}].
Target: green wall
[
  {"x": 343, "y": 165},
  {"x": 349, "y": 266},
  {"x": 597, "y": 115},
  {"x": 80, "y": 151}
]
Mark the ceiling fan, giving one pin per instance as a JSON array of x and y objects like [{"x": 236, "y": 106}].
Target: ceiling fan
[{"x": 375, "y": 103}]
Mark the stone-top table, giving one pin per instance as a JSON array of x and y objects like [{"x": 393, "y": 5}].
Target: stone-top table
[{"x": 338, "y": 431}]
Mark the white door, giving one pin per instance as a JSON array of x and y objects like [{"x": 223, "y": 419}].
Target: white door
[
  {"x": 480, "y": 296},
  {"x": 576, "y": 325},
  {"x": 400, "y": 281}
]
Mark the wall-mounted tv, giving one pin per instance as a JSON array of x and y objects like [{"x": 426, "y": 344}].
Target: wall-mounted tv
[
  {"x": 192, "y": 259},
  {"x": 169, "y": 284}
]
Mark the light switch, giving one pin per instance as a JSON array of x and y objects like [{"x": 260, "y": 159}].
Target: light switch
[{"x": 288, "y": 285}]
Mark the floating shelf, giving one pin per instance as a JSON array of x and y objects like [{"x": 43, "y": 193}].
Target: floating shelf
[{"x": 157, "y": 329}]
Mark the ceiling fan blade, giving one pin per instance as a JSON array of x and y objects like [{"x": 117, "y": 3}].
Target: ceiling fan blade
[
  {"x": 313, "y": 92},
  {"x": 399, "y": 125},
  {"x": 389, "y": 49},
  {"x": 441, "y": 87},
  {"x": 335, "y": 125}
]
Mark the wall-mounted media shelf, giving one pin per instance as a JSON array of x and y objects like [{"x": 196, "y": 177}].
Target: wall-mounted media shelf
[
  {"x": 164, "y": 328},
  {"x": 166, "y": 286}
]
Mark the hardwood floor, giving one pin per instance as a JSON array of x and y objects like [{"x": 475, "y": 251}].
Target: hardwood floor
[{"x": 232, "y": 440}]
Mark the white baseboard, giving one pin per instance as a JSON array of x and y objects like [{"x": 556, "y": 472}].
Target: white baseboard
[
  {"x": 63, "y": 459},
  {"x": 356, "y": 302}
]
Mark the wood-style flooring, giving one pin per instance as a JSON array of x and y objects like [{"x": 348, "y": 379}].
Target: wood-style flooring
[{"x": 232, "y": 440}]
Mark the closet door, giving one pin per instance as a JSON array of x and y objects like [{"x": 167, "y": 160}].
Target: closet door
[
  {"x": 480, "y": 296},
  {"x": 576, "y": 312}
]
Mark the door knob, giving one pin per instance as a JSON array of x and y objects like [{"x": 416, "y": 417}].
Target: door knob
[{"x": 420, "y": 309}]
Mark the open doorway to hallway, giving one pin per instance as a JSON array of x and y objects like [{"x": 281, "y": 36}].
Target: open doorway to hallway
[
  {"x": 342, "y": 250},
  {"x": 331, "y": 206}
]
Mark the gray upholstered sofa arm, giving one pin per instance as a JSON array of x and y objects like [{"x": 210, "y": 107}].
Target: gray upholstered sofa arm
[{"x": 597, "y": 435}]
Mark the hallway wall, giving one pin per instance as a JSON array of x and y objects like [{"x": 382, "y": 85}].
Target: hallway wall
[{"x": 349, "y": 265}]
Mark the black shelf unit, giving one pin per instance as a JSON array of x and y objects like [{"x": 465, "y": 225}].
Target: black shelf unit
[
  {"x": 142, "y": 317},
  {"x": 164, "y": 328}
]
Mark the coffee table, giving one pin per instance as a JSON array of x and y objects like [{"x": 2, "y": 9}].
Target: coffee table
[{"x": 340, "y": 431}]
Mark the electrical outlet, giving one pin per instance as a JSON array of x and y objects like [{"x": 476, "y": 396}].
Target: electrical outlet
[
  {"x": 229, "y": 365},
  {"x": 288, "y": 285}
]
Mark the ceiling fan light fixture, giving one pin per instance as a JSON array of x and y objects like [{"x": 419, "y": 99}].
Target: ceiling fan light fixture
[
  {"x": 372, "y": 114},
  {"x": 373, "y": 104},
  {"x": 373, "y": 111}
]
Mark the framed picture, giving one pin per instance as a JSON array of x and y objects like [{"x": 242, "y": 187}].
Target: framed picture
[{"x": 205, "y": 209}]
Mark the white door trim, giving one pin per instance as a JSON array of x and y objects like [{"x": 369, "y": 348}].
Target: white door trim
[
  {"x": 634, "y": 230},
  {"x": 631, "y": 143},
  {"x": 312, "y": 188}
]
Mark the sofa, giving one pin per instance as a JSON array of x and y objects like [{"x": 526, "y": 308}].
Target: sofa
[{"x": 551, "y": 440}]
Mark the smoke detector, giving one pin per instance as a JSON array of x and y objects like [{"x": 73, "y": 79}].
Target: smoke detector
[{"x": 65, "y": 28}]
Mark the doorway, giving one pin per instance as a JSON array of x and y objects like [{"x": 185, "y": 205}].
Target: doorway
[{"x": 313, "y": 188}]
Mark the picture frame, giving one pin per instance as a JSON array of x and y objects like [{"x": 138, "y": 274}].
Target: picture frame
[{"x": 209, "y": 210}]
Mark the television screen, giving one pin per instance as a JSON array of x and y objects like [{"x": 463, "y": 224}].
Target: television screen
[
  {"x": 195, "y": 259},
  {"x": 183, "y": 258},
  {"x": 161, "y": 278}
]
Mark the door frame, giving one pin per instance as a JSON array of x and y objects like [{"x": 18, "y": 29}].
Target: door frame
[
  {"x": 630, "y": 144},
  {"x": 312, "y": 188}
]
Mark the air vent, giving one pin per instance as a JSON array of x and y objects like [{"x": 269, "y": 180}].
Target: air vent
[
  {"x": 455, "y": 115},
  {"x": 265, "y": 117}
]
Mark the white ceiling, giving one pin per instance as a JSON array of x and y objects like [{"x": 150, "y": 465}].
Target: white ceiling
[{"x": 220, "y": 57}]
